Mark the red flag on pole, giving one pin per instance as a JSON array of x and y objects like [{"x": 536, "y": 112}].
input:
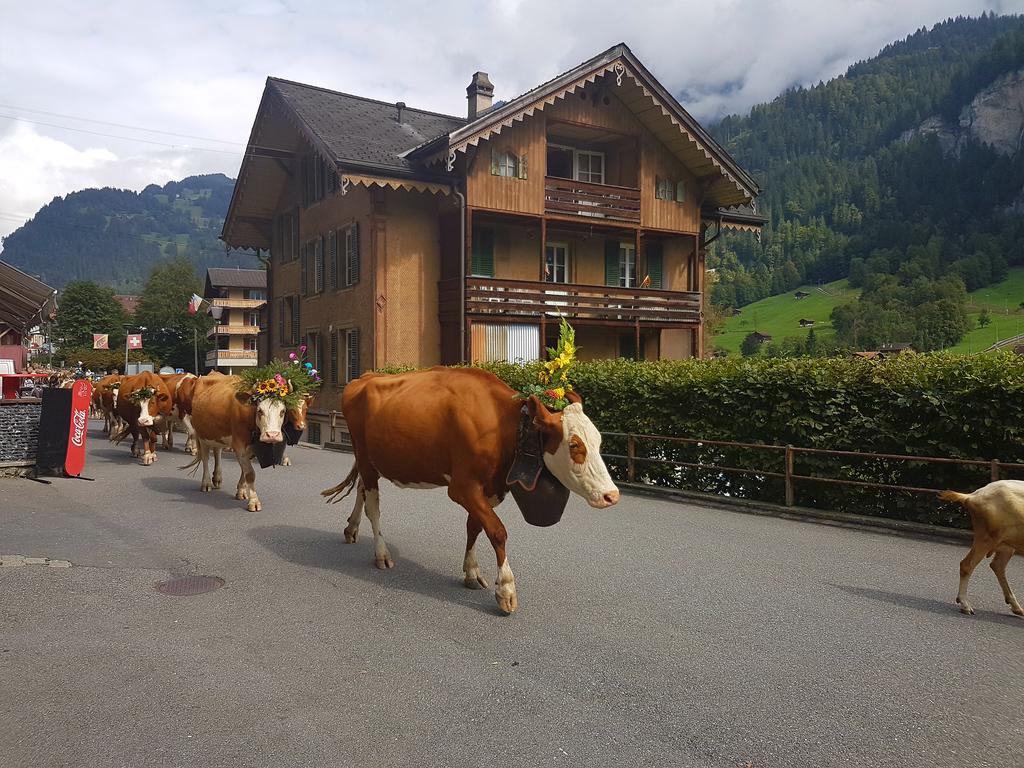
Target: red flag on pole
[
  {"x": 134, "y": 341},
  {"x": 194, "y": 302},
  {"x": 99, "y": 341}
]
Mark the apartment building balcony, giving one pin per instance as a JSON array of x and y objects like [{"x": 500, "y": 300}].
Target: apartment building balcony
[
  {"x": 231, "y": 358},
  {"x": 233, "y": 330},
  {"x": 238, "y": 303}
]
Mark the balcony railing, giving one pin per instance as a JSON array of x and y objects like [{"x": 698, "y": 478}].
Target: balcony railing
[
  {"x": 239, "y": 303},
  {"x": 233, "y": 330},
  {"x": 231, "y": 356},
  {"x": 565, "y": 197},
  {"x": 598, "y": 304}
]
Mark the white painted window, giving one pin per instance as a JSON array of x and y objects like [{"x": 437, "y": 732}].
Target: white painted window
[
  {"x": 556, "y": 263},
  {"x": 590, "y": 166},
  {"x": 507, "y": 165}
]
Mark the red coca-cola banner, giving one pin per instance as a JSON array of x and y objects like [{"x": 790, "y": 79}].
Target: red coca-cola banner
[{"x": 78, "y": 430}]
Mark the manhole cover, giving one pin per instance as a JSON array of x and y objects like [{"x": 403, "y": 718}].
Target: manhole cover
[{"x": 186, "y": 586}]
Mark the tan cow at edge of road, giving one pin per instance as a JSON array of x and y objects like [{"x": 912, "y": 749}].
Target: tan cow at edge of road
[
  {"x": 458, "y": 428},
  {"x": 177, "y": 417},
  {"x": 997, "y": 518},
  {"x": 145, "y": 418},
  {"x": 223, "y": 417}
]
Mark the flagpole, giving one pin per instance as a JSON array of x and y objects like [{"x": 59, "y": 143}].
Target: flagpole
[{"x": 195, "y": 349}]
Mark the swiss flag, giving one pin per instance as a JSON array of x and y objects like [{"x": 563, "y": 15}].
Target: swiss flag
[{"x": 134, "y": 341}]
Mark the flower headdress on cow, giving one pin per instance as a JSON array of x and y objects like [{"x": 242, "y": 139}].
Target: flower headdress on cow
[
  {"x": 140, "y": 394},
  {"x": 553, "y": 380},
  {"x": 290, "y": 381}
]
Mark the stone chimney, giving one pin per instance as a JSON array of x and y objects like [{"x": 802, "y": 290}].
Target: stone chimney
[{"x": 480, "y": 92}]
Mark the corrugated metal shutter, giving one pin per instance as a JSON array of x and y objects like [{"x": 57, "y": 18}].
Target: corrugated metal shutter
[
  {"x": 494, "y": 342},
  {"x": 522, "y": 343}
]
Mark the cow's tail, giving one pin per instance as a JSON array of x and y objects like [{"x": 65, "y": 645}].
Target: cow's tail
[
  {"x": 958, "y": 498},
  {"x": 193, "y": 466},
  {"x": 338, "y": 492}
]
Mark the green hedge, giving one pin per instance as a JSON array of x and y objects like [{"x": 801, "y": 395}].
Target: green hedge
[{"x": 925, "y": 405}]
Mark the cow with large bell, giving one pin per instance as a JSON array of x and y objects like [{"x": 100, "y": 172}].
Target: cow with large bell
[{"x": 466, "y": 430}]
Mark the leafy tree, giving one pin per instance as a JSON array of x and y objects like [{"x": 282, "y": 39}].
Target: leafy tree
[
  {"x": 163, "y": 311},
  {"x": 751, "y": 345},
  {"x": 811, "y": 344},
  {"x": 983, "y": 319},
  {"x": 85, "y": 308}
]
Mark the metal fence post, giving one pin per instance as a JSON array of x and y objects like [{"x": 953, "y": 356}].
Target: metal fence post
[
  {"x": 630, "y": 458},
  {"x": 789, "y": 475},
  {"x": 995, "y": 469}
]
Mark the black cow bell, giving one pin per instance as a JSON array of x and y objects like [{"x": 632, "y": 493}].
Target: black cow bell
[
  {"x": 540, "y": 495},
  {"x": 291, "y": 434},
  {"x": 267, "y": 454}
]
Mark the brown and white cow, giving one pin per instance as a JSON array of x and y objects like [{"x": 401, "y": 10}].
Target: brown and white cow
[
  {"x": 104, "y": 397},
  {"x": 177, "y": 416},
  {"x": 224, "y": 417},
  {"x": 145, "y": 418},
  {"x": 457, "y": 428}
]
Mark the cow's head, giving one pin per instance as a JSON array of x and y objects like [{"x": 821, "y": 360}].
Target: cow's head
[
  {"x": 154, "y": 402},
  {"x": 572, "y": 451},
  {"x": 270, "y": 412},
  {"x": 297, "y": 415}
]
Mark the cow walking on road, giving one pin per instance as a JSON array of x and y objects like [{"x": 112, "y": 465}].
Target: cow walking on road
[
  {"x": 458, "y": 428},
  {"x": 143, "y": 403}
]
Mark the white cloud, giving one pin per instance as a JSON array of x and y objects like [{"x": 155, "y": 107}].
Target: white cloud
[{"x": 198, "y": 68}]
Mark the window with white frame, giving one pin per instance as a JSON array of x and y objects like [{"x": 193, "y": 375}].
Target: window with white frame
[
  {"x": 507, "y": 164},
  {"x": 556, "y": 263},
  {"x": 664, "y": 189},
  {"x": 590, "y": 166},
  {"x": 627, "y": 265},
  {"x": 250, "y": 343},
  {"x": 253, "y": 318}
]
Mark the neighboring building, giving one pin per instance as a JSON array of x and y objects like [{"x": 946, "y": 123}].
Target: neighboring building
[
  {"x": 805, "y": 323},
  {"x": 402, "y": 236},
  {"x": 801, "y": 294},
  {"x": 128, "y": 303},
  {"x": 240, "y": 295}
]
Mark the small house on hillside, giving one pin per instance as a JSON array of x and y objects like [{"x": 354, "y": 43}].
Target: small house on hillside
[
  {"x": 894, "y": 349},
  {"x": 761, "y": 338},
  {"x": 736, "y": 312},
  {"x": 805, "y": 323},
  {"x": 801, "y": 295}
]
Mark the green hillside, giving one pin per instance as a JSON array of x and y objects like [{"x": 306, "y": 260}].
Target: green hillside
[
  {"x": 779, "y": 316},
  {"x": 1002, "y": 301}
]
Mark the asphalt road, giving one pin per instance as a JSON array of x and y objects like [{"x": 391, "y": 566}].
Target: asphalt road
[{"x": 651, "y": 634}]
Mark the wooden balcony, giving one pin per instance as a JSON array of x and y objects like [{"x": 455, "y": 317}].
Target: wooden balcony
[
  {"x": 565, "y": 197},
  {"x": 234, "y": 357},
  {"x": 511, "y": 300}
]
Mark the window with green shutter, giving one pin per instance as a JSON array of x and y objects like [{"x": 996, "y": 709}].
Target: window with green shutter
[
  {"x": 352, "y": 255},
  {"x": 611, "y": 262},
  {"x": 304, "y": 270},
  {"x": 482, "y": 262},
  {"x": 656, "y": 264}
]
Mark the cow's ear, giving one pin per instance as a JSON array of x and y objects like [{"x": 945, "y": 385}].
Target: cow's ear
[
  {"x": 244, "y": 398},
  {"x": 574, "y": 398},
  {"x": 547, "y": 423}
]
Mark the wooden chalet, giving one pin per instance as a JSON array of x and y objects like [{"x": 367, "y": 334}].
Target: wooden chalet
[{"x": 403, "y": 236}]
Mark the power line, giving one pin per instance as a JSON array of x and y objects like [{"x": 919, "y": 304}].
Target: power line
[
  {"x": 117, "y": 125},
  {"x": 122, "y": 138}
]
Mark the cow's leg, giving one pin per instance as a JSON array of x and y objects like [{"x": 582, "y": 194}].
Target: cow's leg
[
  {"x": 242, "y": 488},
  {"x": 217, "y": 476},
  {"x": 168, "y": 435},
  {"x": 149, "y": 438},
  {"x": 352, "y": 529},
  {"x": 190, "y": 441},
  {"x": 244, "y": 456},
  {"x": 470, "y": 567},
  {"x": 204, "y": 456},
  {"x": 381, "y": 555},
  {"x": 474, "y": 500},
  {"x": 286, "y": 460},
  {"x": 136, "y": 451},
  {"x": 1003, "y": 556},
  {"x": 967, "y": 566}
]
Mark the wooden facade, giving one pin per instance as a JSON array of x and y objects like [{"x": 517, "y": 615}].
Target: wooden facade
[{"x": 588, "y": 201}]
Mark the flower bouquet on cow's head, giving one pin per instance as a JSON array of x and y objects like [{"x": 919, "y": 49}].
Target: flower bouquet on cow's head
[
  {"x": 293, "y": 381},
  {"x": 553, "y": 382}
]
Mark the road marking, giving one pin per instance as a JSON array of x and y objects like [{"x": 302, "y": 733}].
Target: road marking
[{"x": 13, "y": 561}]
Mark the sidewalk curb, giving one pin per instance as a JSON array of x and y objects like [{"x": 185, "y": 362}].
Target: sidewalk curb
[{"x": 884, "y": 525}]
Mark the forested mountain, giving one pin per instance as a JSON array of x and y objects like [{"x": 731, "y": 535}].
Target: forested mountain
[
  {"x": 905, "y": 175},
  {"x": 114, "y": 236}
]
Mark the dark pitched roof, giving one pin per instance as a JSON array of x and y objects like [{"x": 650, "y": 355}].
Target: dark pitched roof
[
  {"x": 23, "y": 298},
  {"x": 221, "y": 277},
  {"x": 360, "y": 131}
]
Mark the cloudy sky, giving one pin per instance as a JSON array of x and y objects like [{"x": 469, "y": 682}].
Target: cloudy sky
[{"x": 126, "y": 94}]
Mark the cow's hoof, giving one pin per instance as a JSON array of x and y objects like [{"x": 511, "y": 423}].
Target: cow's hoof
[
  {"x": 286, "y": 462},
  {"x": 216, "y": 482},
  {"x": 254, "y": 505},
  {"x": 206, "y": 487},
  {"x": 965, "y": 607},
  {"x": 475, "y": 582},
  {"x": 351, "y": 536},
  {"x": 241, "y": 495},
  {"x": 384, "y": 562},
  {"x": 1017, "y": 611},
  {"x": 507, "y": 603}
]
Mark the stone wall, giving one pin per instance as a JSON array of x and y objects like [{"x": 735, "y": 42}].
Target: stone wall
[{"x": 19, "y": 431}]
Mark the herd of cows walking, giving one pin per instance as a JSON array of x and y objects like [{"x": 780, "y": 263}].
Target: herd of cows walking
[{"x": 456, "y": 428}]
